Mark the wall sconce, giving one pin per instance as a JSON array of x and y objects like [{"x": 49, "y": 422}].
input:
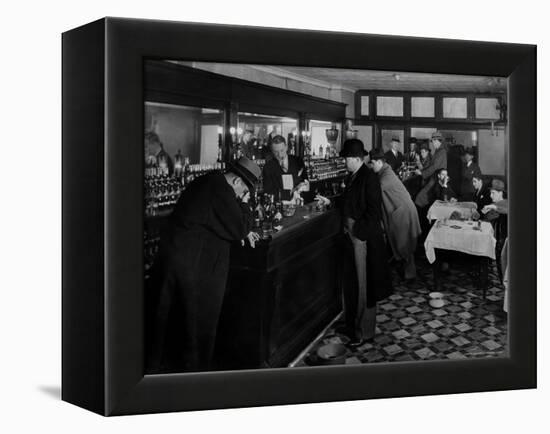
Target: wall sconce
[{"x": 232, "y": 132}]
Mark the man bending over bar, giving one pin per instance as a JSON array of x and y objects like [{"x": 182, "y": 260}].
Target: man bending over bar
[{"x": 190, "y": 274}]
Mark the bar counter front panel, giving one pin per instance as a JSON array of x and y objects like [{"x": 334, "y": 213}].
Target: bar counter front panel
[{"x": 282, "y": 293}]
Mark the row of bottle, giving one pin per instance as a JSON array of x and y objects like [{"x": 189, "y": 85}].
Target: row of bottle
[
  {"x": 327, "y": 152},
  {"x": 321, "y": 170},
  {"x": 268, "y": 212},
  {"x": 162, "y": 191}
]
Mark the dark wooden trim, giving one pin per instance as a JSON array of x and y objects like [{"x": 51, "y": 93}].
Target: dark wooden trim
[
  {"x": 180, "y": 84},
  {"x": 83, "y": 261},
  {"x": 407, "y": 111}
]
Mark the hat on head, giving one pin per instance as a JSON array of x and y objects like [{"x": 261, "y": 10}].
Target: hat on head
[
  {"x": 497, "y": 185},
  {"x": 395, "y": 139},
  {"x": 425, "y": 146},
  {"x": 412, "y": 140},
  {"x": 353, "y": 148},
  {"x": 469, "y": 151},
  {"x": 377, "y": 154},
  {"x": 247, "y": 170},
  {"x": 437, "y": 136}
]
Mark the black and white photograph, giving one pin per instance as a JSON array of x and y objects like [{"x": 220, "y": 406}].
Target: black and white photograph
[
  {"x": 301, "y": 216},
  {"x": 277, "y": 217}
]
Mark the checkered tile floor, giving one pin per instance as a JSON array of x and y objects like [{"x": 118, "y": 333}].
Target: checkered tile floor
[{"x": 408, "y": 328}]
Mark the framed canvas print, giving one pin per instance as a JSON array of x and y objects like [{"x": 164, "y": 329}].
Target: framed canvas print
[{"x": 259, "y": 216}]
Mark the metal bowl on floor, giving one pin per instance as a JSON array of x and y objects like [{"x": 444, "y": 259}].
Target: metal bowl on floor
[
  {"x": 436, "y": 299},
  {"x": 332, "y": 354}
]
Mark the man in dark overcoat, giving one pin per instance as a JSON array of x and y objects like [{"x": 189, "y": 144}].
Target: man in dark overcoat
[
  {"x": 190, "y": 273},
  {"x": 367, "y": 274},
  {"x": 394, "y": 157},
  {"x": 399, "y": 215}
]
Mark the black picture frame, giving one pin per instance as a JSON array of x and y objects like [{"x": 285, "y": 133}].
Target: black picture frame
[{"x": 102, "y": 215}]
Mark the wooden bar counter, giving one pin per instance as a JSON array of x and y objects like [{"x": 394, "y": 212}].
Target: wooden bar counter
[{"x": 282, "y": 293}]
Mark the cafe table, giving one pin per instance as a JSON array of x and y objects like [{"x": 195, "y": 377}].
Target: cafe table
[
  {"x": 443, "y": 210},
  {"x": 469, "y": 237}
]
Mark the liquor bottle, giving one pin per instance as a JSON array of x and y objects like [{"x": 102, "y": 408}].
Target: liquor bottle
[
  {"x": 259, "y": 212},
  {"x": 178, "y": 164},
  {"x": 321, "y": 151},
  {"x": 186, "y": 172},
  {"x": 278, "y": 209}
]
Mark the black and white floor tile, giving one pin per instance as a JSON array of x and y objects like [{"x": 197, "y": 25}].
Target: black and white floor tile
[{"x": 409, "y": 329}]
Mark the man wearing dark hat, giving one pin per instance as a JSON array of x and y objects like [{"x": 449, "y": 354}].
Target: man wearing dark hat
[
  {"x": 394, "y": 157},
  {"x": 413, "y": 155},
  {"x": 425, "y": 157},
  {"x": 438, "y": 161},
  {"x": 189, "y": 278},
  {"x": 399, "y": 215},
  {"x": 469, "y": 170},
  {"x": 369, "y": 278}
]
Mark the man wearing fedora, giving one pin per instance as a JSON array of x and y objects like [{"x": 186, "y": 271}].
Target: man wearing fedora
[
  {"x": 189, "y": 277},
  {"x": 438, "y": 161},
  {"x": 413, "y": 155},
  {"x": 469, "y": 171},
  {"x": 368, "y": 274},
  {"x": 394, "y": 157},
  {"x": 399, "y": 215}
]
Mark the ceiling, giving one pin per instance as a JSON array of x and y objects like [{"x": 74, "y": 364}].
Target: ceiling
[{"x": 384, "y": 80}]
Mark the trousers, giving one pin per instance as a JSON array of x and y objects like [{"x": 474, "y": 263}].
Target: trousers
[{"x": 359, "y": 304}]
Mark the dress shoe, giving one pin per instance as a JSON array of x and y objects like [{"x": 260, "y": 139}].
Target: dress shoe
[{"x": 354, "y": 343}]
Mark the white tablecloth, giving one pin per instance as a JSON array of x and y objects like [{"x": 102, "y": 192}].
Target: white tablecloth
[
  {"x": 461, "y": 237},
  {"x": 443, "y": 210}
]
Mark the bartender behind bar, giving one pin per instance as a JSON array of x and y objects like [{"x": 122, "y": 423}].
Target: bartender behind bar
[{"x": 284, "y": 173}]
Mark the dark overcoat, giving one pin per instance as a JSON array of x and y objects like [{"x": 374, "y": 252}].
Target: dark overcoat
[
  {"x": 467, "y": 186},
  {"x": 482, "y": 197},
  {"x": 362, "y": 201},
  {"x": 394, "y": 161},
  {"x": 399, "y": 214},
  {"x": 189, "y": 276}
]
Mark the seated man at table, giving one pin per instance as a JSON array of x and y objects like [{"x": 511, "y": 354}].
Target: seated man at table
[
  {"x": 442, "y": 190},
  {"x": 469, "y": 170},
  {"x": 497, "y": 214},
  {"x": 284, "y": 173},
  {"x": 481, "y": 195}
]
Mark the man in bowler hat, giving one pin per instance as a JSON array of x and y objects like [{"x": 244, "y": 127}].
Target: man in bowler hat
[
  {"x": 189, "y": 276},
  {"x": 368, "y": 277}
]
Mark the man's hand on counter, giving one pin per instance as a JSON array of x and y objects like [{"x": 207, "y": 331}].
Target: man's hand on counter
[
  {"x": 323, "y": 199},
  {"x": 252, "y": 238}
]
